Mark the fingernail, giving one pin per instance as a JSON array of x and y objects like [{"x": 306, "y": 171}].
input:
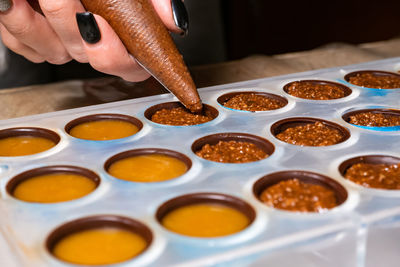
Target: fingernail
[
  {"x": 5, "y": 5},
  {"x": 88, "y": 27},
  {"x": 180, "y": 15}
]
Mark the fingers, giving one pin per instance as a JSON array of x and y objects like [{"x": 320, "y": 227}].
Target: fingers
[
  {"x": 173, "y": 14},
  {"x": 17, "y": 47},
  {"x": 32, "y": 30},
  {"x": 61, "y": 16},
  {"x": 54, "y": 37},
  {"x": 105, "y": 51}
]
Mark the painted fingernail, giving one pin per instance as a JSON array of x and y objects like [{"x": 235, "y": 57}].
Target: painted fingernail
[
  {"x": 5, "y": 5},
  {"x": 88, "y": 27},
  {"x": 180, "y": 15}
]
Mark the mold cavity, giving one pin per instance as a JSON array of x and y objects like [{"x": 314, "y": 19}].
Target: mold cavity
[
  {"x": 317, "y": 90},
  {"x": 148, "y": 165},
  {"x": 252, "y": 101},
  {"x": 101, "y": 127},
  {"x": 299, "y": 191},
  {"x": 374, "y": 79},
  {"x": 99, "y": 240},
  {"x": 233, "y": 148},
  {"x": 53, "y": 184},
  {"x": 373, "y": 117},
  {"x": 373, "y": 171},
  {"x": 175, "y": 114},
  {"x": 309, "y": 132},
  {"x": 205, "y": 215},
  {"x": 16, "y": 142}
]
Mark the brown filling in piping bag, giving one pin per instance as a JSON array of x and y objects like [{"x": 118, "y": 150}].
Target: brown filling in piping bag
[{"x": 147, "y": 39}]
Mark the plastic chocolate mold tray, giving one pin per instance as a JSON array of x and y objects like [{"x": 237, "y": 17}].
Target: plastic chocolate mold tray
[{"x": 26, "y": 227}]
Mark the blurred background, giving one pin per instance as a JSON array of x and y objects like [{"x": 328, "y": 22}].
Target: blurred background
[{"x": 227, "y": 30}]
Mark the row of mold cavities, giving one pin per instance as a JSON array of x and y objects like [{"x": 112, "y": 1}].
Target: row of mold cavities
[
  {"x": 48, "y": 139},
  {"x": 30, "y": 186},
  {"x": 193, "y": 200}
]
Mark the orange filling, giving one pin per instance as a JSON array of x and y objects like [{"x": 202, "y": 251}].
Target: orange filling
[
  {"x": 205, "y": 220},
  {"x": 52, "y": 188},
  {"x": 24, "y": 145},
  {"x": 99, "y": 246},
  {"x": 104, "y": 130},
  {"x": 148, "y": 168}
]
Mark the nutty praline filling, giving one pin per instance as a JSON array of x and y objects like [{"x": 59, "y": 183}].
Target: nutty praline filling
[
  {"x": 371, "y": 80},
  {"x": 381, "y": 176},
  {"x": 232, "y": 152},
  {"x": 295, "y": 195},
  {"x": 374, "y": 119},
  {"x": 180, "y": 116},
  {"x": 253, "y": 102},
  {"x": 312, "y": 134},
  {"x": 315, "y": 91}
]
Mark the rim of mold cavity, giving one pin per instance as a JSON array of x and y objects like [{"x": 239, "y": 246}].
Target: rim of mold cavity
[
  {"x": 59, "y": 142},
  {"x": 101, "y": 117},
  {"x": 349, "y": 93},
  {"x": 256, "y": 221},
  {"x": 53, "y": 169},
  {"x": 213, "y": 139},
  {"x": 374, "y": 72},
  {"x": 154, "y": 247},
  {"x": 149, "y": 112}
]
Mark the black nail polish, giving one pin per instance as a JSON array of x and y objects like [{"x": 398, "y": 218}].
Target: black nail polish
[
  {"x": 180, "y": 14},
  {"x": 88, "y": 27},
  {"x": 5, "y": 5}
]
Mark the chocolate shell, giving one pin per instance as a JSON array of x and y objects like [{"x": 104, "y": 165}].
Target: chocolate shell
[{"x": 146, "y": 38}]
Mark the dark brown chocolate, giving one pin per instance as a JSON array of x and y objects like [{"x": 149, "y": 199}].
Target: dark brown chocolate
[
  {"x": 317, "y": 90},
  {"x": 146, "y": 38},
  {"x": 374, "y": 79}
]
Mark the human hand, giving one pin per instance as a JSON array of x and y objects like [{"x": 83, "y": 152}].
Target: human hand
[{"x": 54, "y": 36}]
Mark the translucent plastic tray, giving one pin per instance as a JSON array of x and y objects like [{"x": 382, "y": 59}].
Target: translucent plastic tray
[{"x": 26, "y": 226}]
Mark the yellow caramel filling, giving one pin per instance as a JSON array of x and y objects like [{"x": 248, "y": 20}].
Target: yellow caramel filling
[
  {"x": 52, "y": 188},
  {"x": 24, "y": 145},
  {"x": 104, "y": 130},
  {"x": 205, "y": 220},
  {"x": 148, "y": 168},
  {"x": 99, "y": 246}
]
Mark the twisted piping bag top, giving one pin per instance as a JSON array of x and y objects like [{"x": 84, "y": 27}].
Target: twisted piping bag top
[{"x": 147, "y": 39}]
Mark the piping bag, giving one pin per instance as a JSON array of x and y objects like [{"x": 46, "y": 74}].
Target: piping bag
[{"x": 146, "y": 38}]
